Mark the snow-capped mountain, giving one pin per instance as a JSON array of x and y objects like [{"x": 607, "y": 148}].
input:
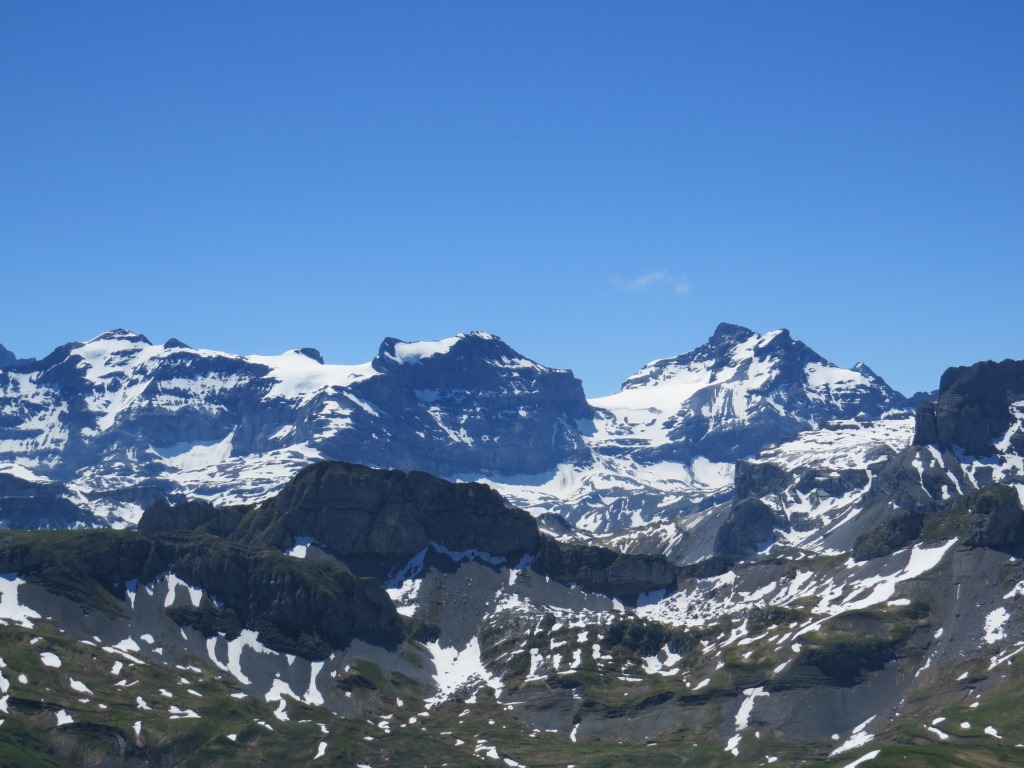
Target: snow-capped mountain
[
  {"x": 731, "y": 396},
  {"x": 865, "y": 486},
  {"x": 858, "y": 598},
  {"x": 121, "y": 421},
  {"x": 668, "y": 440}
]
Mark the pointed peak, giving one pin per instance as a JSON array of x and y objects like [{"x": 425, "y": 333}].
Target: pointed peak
[
  {"x": 173, "y": 343},
  {"x": 6, "y": 356},
  {"x": 863, "y": 369},
  {"x": 729, "y": 333}
]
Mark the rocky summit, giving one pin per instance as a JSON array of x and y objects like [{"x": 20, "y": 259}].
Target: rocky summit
[{"x": 747, "y": 556}]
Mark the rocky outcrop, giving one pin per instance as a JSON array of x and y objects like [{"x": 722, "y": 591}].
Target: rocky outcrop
[
  {"x": 9, "y": 360},
  {"x": 747, "y": 529},
  {"x": 44, "y": 512},
  {"x": 973, "y": 408},
  {"x": 755, "y": 479},
  {"x": 891, "y": 536},
  {"x": 364, "y": 515},
  {"x": 25, "y": 503},
  {"x": 309, "y": 608},
  {"x": 596, "y": 569},
  {"x": 191, "y": 515},
  {"x": 990, "y": 517}
]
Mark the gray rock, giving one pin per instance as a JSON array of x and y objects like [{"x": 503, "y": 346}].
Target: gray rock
[{"x": 973, "y": 407}]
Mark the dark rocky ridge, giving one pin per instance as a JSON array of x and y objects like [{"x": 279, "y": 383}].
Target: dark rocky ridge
[
  {"x": 973, "y": 408},
  {"x": 747, "y": 529},
  {"x": 605, "y": 571},
  {"x": 9, "y": 360},
  {"x": 25, "y": 505},
  {"x": 387, "y": 516},
  {"x": 306, "y": 608},
  {"x": 374, "y": 521},
  {"x": 990, "y": 517}
]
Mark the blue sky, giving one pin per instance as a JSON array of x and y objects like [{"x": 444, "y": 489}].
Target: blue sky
[{"x": 598, "y": 183}]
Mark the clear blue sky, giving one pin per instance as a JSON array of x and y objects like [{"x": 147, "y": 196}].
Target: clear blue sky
[{"x": 598, "y": 183}]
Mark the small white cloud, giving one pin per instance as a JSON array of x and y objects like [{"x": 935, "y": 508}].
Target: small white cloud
[{"x": 679, "y": 285}]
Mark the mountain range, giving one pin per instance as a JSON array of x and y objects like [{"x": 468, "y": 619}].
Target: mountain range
[
  {"x": 120, "y": 422},
  {"x": 746, "y": 556}
]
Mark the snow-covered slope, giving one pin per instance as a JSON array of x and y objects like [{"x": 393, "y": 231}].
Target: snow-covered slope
[
  {"x": 666, "y": 443},
  {"x": 511, "y": 649},
  {"x": 122, "y": 421},
  {"x": 721, "y": 400}
]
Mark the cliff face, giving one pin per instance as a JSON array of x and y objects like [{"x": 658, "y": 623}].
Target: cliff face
[
  {"x": 351, "y": 510},
  {"x": 375, "y": 521},
  {"x": 974, "y": 408},
  {"x": 305, "y": 608}
]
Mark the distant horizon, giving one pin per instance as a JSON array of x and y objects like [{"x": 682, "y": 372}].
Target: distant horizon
[
  {"x": 600, "y": 184},
  {"x": 328, "y": 360}
]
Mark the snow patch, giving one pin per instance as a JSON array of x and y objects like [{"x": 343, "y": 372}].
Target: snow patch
[
  {"x": 995, "y": 623},
  {"x": 458, "y": 670},
  {"x": 10, "y": 609}
]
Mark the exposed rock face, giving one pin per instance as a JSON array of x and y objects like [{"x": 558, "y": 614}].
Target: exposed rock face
[
  {"x": 756, "y": 479},
  {"x": 28, "y": 504},
  {"x": 601, "y": 570},
  {"x": 989, "y": 517},
  {"x": 44, "y": 512},
  {"x": 388, "y": 515},
  {"x": 748, "y": 528},
  {"x": 974, "y": 408},
  {"x": 162, "y": 517},
  {"x": 891, "y": 536},
  {"x": 499, "y": 412},
  {"x": 307, "y": 608},
  {"x": 119, "y": 411},
  {"x": 998, "y": 518},
  {"x": 9, "y": 360}
]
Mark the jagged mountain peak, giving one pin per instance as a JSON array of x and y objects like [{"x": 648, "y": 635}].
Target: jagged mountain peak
[
  {"x": 6, "y": 356},
  {"x": 736, "y": 393},
  {"x": 729, "y": 332},
  {"x": 728, "y": 353}
]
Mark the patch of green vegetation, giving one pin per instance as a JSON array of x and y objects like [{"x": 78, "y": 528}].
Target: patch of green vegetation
[
  {"x": 633, "y": 636},
  {"x": 761, "y": 618}
]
